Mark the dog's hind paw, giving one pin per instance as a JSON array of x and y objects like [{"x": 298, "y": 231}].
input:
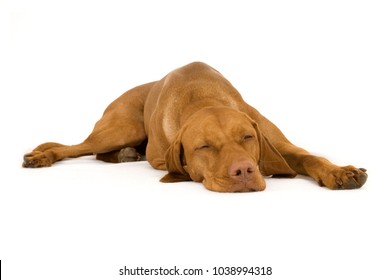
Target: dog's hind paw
[{"x": 128, "y": 154}]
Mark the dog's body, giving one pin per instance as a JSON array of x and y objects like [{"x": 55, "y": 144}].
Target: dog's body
[{"x": 197, "y": 127}]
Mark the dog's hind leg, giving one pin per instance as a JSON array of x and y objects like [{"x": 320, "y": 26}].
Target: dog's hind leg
[{"x": 126, "y": 154}]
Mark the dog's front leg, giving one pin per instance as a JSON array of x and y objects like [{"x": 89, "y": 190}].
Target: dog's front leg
[{"x": 322, "y": 170}]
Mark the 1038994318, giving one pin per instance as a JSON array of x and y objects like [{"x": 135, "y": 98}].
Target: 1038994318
[{"x": 242, "y": 270}]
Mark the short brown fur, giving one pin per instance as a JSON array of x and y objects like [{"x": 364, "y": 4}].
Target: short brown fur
[{"x": 197, "y": 127}]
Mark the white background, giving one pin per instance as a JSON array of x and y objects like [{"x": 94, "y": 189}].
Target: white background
[{"x": 318, "y": 69}]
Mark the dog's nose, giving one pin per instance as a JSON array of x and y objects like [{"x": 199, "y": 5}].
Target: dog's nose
[
  {"x": 241, "y": 170},
  {"x": 246, "y": 177}
]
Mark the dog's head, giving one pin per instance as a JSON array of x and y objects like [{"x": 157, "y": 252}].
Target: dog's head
[{"x": 224, "y": 149}]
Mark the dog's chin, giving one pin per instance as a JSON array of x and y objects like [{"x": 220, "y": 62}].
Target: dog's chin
[{"x": 219, "y": 185}]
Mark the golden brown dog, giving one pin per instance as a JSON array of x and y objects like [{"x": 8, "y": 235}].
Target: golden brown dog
[{"x": 194, "y": 124}]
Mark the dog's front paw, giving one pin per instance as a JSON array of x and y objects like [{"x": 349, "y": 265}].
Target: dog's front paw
[
  {"x": 344, "y": 178},
  {"x": 36, "y": 159}
]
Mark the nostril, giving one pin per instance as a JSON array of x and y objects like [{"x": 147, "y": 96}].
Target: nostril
[{"x": 241, "y": 169}]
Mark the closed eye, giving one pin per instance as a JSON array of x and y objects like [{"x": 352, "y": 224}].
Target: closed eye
[
  {"x": 247, "y": 137},
  {"x": 203, "y": 147}
]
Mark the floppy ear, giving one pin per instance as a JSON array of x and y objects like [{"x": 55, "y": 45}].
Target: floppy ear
[
  {"x": 174, "y": 158},
  {"x": 271, "y": 162}
]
